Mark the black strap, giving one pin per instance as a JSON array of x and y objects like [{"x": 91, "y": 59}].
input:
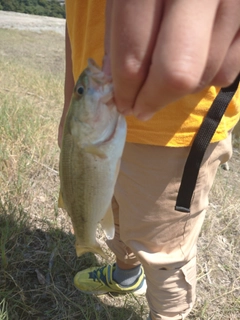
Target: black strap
[{"x": 200, "y": 144}]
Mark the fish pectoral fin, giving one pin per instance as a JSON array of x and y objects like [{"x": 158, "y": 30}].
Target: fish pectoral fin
[
  {"x": 90, "y": 148},
  {"x": 60, "y": 201},
  {"x": 108, "y": 224},
  {"x": 80, "y": 250}
]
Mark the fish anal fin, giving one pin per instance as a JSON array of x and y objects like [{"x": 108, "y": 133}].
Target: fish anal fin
[{"x": 108, "y": 224}]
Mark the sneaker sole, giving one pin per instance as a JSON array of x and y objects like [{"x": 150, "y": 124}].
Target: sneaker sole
[{"x": 139, "y": 292}]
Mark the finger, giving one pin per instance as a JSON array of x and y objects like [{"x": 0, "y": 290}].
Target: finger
[
  {"x": 134, "y": 30},
  {"x": 106, "y": 59},
  {"x": 230, "y": 67},
  {"x": 180, "y": 54},
  {"x": 106, "y": 65},
  {"x": 224, "y": 46}
]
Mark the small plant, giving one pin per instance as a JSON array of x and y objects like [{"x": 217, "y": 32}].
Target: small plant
[{"x": 3, "y": 310}]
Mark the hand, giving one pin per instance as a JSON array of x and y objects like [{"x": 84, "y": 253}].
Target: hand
[{"x": 163, "y": 50}]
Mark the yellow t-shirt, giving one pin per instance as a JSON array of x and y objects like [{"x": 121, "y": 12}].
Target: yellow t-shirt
[{"x": 176, "y": 124}]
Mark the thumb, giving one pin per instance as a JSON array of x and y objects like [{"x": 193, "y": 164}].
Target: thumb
[{"x": 106, "y": 68}]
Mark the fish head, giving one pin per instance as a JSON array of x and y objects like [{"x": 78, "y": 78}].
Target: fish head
[{"x": 94, "y": 107}]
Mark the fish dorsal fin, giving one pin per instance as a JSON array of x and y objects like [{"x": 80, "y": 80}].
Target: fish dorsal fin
[{"x": 108, "y": 224}]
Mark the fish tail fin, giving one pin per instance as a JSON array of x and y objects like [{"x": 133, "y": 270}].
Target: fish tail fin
[{"x": 80, "y": 250}]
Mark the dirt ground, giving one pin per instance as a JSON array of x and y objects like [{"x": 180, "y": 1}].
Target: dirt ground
[{"x": 21, "y": 21}]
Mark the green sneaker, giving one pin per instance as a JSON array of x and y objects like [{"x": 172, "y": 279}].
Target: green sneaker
[{"x": 99, "y": 281}]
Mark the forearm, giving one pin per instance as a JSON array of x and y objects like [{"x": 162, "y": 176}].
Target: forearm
[
  {"x": 69, "y": 80},
  {"x": 69, "y": 84}
]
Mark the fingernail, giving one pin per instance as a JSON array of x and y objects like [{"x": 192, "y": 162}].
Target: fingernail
[
  {"x": 144, "y": 116},
  {"x": 127, "y": 112},
  {"x": 123, "y": 111}
]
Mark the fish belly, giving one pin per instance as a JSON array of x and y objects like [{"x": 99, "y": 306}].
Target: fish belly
[{"x": 87, "y": 185}]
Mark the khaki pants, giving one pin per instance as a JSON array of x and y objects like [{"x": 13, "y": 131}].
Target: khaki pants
[{"x": 149, "y": 230}]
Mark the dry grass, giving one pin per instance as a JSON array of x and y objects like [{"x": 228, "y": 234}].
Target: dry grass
[{"x": 38, "y": 261}]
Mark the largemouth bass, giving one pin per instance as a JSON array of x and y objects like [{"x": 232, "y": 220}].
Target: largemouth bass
[{"x": 93, "y": 139}]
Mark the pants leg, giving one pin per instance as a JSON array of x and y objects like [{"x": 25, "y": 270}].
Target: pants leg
[{"x": 150, "y": 231}]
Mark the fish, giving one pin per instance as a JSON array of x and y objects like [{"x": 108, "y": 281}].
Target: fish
[{"x": 93, "y": 140}]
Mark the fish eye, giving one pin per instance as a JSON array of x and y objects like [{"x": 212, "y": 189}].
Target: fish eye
[{"x": 80, "y": 90}]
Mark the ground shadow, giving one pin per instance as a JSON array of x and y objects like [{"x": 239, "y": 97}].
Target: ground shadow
[{"x": 37, "y": 270}]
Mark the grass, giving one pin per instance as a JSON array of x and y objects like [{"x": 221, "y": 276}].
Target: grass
[{"x": 38, "y": 260}]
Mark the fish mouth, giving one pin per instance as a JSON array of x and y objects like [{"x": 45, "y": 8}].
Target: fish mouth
[{"x": 96, "y": 76}]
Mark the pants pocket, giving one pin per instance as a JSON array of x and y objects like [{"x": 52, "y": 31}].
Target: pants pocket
[
  {"x": 189, "y": 273},
  {"x": 171, "y": 293}
]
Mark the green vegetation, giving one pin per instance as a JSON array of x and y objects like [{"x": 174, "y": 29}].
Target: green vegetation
[{"x": 51, "y": 8}]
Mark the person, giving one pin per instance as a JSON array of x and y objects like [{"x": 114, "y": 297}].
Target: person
[{"x": 168, "y": 60}]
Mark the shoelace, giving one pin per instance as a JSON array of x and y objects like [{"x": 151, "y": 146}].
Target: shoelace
[{"x": 97, "y": 275}]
